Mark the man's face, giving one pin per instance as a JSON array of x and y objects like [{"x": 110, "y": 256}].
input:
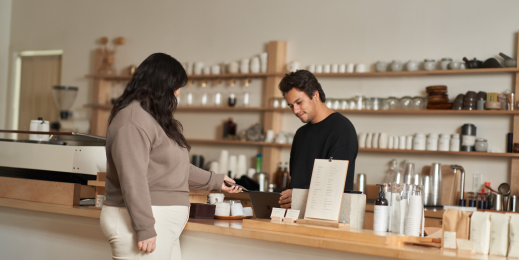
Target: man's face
[{"x": 302, "y": 106}]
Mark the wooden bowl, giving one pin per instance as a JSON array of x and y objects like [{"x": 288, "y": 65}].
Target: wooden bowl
[{"x": 493, "y": 105}]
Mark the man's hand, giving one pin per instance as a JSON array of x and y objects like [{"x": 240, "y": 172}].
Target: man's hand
[
  {"x": 285, "y": 201},
  {"x": 233, "y": 189},
  {"x": 148, "y": 245}
]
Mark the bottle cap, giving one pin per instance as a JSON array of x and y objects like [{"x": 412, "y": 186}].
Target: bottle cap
[{"x": 487, "y": 183}]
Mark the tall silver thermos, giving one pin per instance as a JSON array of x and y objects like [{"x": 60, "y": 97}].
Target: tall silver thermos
[
  {"x": 263, "y": 179},
  {"x": 433, "y": 186}
]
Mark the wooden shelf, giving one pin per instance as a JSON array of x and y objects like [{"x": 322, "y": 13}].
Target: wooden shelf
[
  {"x": 286, "y": 110},
  {"x": 232, "y": 142},
  {"x": 418, "y": 73},
  {"x": 201, "y": 77}
]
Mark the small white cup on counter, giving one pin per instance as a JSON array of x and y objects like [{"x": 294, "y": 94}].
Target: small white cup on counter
[
  {"x": 215, "y": 198},
  {"x": 222, "y": 209}
]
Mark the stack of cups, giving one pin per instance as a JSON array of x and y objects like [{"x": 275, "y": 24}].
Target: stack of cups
[
  {"x": 222, "y": 209},
  {"x": 233, "y": 165},
  {"x": 236, "y": 208},
  {"x": 215, "y": 198},
  {"x": 247, "y": 212},
  {"x": 242, "y": 166},
  {"x": 224, "y": 162},
  {"x": 413, "y": 218}
]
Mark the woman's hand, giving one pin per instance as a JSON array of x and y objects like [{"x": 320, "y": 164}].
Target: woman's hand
[
  {"x": 285, "y": 201},
  {"x": 233, "y": 189},
  {"x": 148, "y": 245}
]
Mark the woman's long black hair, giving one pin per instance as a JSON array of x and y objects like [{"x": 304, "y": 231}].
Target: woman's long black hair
[{"x": 153, "y": 84}]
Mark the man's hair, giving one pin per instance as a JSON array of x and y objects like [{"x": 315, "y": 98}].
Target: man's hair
[{"x": 304, "y": 81}]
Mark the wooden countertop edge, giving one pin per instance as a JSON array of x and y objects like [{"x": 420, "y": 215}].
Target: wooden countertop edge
[{"x": 400, "y": 252}]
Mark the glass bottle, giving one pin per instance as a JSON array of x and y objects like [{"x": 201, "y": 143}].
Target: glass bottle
[
  {"x": 232, "y": 100},
  {"x": 285, "y": 177},
  {"x": 395, "y": 175},
  {"x": 278, "y": 178},
  {"x": 229, "y": 130},
  {"x": 381, "y": 212}
]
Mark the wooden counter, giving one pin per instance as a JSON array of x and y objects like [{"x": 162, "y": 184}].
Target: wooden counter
[{"x": 235, "y": 229}]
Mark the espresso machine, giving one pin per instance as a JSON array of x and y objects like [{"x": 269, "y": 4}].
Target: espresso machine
[{"x": 64, "y": 96}]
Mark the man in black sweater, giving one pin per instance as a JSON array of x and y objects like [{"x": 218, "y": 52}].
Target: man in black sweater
[{"x": 326, "y": 133}]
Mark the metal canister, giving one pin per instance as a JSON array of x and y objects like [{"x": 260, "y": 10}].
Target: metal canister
[
  {"x": 513, "y": 204},
  {"x": 361, "y": 182},
  {"x": 263, "y": 180},
  {"x": 498, "y": 202},
  {"x": 435, "y": 185}
]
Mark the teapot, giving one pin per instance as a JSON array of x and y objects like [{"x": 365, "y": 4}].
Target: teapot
[
  {"x": 509, "y": 62},
  {"x": 473, "y": 64}
]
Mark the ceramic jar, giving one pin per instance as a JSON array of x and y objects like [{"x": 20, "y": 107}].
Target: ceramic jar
[
  {"x": 454, "y": 65},
  {"x": 396, "y": 65},
  {"x": 380, "y": 66},
  {"x": 455, "y": 143},
  {"x": 429, "y": 64},
  {"x": 412, "y": 65},
  {"x": 419, "y": 142},
  {"x": 444, "y": 142},
  {"x": 445, "y": 63},
  {"x": 481, "y": 145},
  {"x": 432, "y": 142}
]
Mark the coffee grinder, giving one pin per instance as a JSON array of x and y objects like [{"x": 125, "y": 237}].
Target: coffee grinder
[{"x": 64, "y": 96}]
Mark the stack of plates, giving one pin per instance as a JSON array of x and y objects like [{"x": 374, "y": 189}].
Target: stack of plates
[{"x": 437, "y": 97}]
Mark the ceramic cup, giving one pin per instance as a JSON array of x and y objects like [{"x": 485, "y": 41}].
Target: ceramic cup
[
  {"x": 215, "y": 69},
  {"x": 263, "y": 60},
  {"x": 361, "y": 68},
  {"x": 270, "y": 136},
  {"x": 369, "y": 140},
  {"x": 189, "y": 69},
  {"x": 198, "y": 67},
  {"x": 206, "y": 70},
  {"x": 481, "y": 104},
  {"x": 454, "y": 65},
  {"x": 342, "y": 68},
  {"x": 396, "y": 65},
  {"x": 335, "y": 68},
  {"x": 244, "y": 66},
  {"x": 327, "y": 68},
  {"x": 380, "y": 66},
  {"x": 255, "y": 66},
  {"x": 412, "y": 65},
  {"x": 383, "y": 140},
  {"x": 445, "y": 63},
  {"x": 374, "y": 140},
  {"x": 234, "y": 67},
  {"x": 350, "y": 68},
  {"x": 429, "y": 64},
  {"x": 362, "y": 140},
  {"x": 319, "y": 69},
  {"x": 293, "y": 66},
  {"x": 311, "y": 68}
]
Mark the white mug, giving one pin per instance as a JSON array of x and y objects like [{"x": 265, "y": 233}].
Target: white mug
[
  {"x": 335, "y": 68},
  {"x": 255, "y": 65},
  {"x": 311, "y": 68},
  {"x": 269, "y": 136},
  {"x": 293, "y": 66},
  {"x": 402, "y": 142},
  {"x": 395, "y": 142},
  {"x": 361, "y": 68},
  {"x": 264, "y": 59},
  {"x": 319, "y": 69},
  {"x": 369, "y": 140},
  {"x": 362, "y": 140},
  {"x": 350, "y": 67},
  {"x": 390, "y": 141},
  {"x": 234, "y": 67},
  {"x": 207, "y": 70},
  {"x": 375, "y": 140},
  {"x": 244, "y": 66},
  {"x": 342, "y": 68},
  {"x": 215, "y": 69},
  {"x": 327, "y": 68},
  {"x": 383, "y": 141},
  {"x": 189, "y": 69},
  {"x": 198, "y": 67},
  {"x": 39, "y": 126}
]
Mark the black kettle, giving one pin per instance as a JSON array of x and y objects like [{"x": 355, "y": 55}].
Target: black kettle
[{"x": 473, "y": 64}]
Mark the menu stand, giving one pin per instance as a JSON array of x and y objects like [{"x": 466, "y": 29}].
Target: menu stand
[
  {"x": 324, "y": 201},
  {"x": 291, "y": 216},
  {"x": 277, "y": 215}
]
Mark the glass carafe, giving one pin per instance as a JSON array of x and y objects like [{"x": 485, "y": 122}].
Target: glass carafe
[{"x": 395, "y": 175}]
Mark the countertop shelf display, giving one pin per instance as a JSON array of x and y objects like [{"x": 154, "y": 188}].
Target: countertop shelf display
[
  {"x": 211, "y": 76},
  {"x": 420, "y": 73},
  {"x": 237, "y": 142},
  {"x": 287, "y": 110}
]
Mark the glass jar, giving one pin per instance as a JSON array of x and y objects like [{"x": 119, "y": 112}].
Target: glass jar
[
  {"x": 358, "y": 102},
  {"x": 274, "y": 102},
  {"x": 336, "y": 104},
  {"x": 353, "y": 104},
  {"x": 432, "y": 142},
  {"x": 345, "y": 104},
  {"x": 444, "y": 142},
  {"x": 383, "y": 104},
  {"x": 418, "y": 103},
  {"x": 392, "y": 103},
  {"x": 472, "y": 199},
  {"x": 406, "y": 103},
  {"x": 283, "y": 103},
  {"x": 481, "y": 145},
  {"x": 375, "y": 103},
  {"x": 366, "y": 103},
  {"x": 329, "y": 103}
]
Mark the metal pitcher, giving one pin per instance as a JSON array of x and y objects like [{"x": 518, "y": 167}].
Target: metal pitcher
[{"x": 433, "y": 192}]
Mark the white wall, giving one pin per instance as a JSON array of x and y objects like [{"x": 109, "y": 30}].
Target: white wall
[
  {"x": 5, "y": 30},
  {"x": 317, "y": 32}
]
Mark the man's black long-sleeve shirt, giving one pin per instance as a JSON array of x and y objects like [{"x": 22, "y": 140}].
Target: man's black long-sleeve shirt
[{"x": 335, "y": 136}]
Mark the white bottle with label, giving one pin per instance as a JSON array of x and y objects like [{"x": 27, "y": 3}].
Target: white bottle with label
[
  {"x": 432, "y": 142},
  {"x": 381, "y": 212},
  {"x": 444, "y": 142},
  {"x": 419, "y": 142},
  {"x": 455, "y": 143}
]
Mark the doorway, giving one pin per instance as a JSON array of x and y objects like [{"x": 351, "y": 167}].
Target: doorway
[{"x": 36, "y": 73}]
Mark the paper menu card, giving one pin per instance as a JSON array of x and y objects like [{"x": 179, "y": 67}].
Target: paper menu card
[{"x": 326, "y": 189}]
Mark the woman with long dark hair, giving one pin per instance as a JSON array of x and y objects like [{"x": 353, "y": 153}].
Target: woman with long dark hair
[{"x": 148, "y": 170}]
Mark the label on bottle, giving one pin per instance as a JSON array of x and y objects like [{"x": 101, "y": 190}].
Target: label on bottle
[{"x": 380, "y": 218}]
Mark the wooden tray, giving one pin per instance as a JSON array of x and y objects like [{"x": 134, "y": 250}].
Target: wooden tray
[{"x": 232, "y": 218}]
